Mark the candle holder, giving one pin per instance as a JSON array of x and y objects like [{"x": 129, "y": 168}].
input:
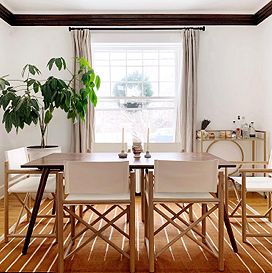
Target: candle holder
[
  {"x": 122, "y": 154},
  {"x": 147, "y": 154}
]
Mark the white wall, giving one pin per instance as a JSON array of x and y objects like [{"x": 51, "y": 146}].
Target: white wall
[
  {"x": 228, "y": 79},
  {"x": 227, "y": 76},
  {"x": 265, "y": 72}
]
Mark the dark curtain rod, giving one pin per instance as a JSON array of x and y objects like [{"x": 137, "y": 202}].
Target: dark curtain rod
[{"x": 136, "y": 28}]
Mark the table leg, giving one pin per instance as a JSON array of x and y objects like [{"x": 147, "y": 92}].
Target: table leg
[
  {"x": 230, "y": 231},
  {"x": 39, "y": 195}
]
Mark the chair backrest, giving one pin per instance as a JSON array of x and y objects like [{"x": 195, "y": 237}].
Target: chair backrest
[
  {"x": 16, "y": 158},
  {"x": 163, "y": 147},
  {"x": 108, "y": 147},
  {"x": 96, "y": 177},
  {"x": 185, "y": 176}
]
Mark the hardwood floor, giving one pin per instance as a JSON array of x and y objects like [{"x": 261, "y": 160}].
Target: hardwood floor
[{"x": 255, "y": 200}]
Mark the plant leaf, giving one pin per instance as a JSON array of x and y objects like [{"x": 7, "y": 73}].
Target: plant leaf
[
  {"x": 48, "y": 116},
  {"x": 50, "y": 63},
  {"x": 58, "y": 63},
  {"x": 97, "y": 82}
]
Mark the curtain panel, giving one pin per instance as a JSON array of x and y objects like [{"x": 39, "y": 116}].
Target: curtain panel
[
  {"x": 83, "y": 131},
  {"x": 187, "y": 98}
]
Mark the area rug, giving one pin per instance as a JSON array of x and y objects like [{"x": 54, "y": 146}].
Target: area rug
[{"x": 98, "y": 256}]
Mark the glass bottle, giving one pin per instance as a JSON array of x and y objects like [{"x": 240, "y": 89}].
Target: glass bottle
[
  {"x": 252, "y": 131},
  {"x": 244, "y": 128},
  {"x": 233, "y": 133},
  {"x": 238, "y": 128}
]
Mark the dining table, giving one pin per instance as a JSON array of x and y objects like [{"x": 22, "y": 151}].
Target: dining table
[{"x": 55, "y": 162}]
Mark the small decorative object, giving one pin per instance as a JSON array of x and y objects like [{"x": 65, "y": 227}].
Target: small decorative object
[
  {"x": 202, "y": 134},
  {"x": 137, "y": 148},
  {"x": 222, "y": 134},
  {"x": 123, "y": 154},
  {"x": 147, "y": 154},
  {"x": 211, "y": 135},
  {"x": 204, "y": 124},
  {"x": 229, "y": 134}
]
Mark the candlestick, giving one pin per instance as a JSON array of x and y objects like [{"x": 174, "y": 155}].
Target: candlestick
[
  {"x": 123, "y": 154},
  {"x": 147, "y": 154}
]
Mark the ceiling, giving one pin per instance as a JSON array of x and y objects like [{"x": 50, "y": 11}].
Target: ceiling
[{"x": 132, "y": 6}]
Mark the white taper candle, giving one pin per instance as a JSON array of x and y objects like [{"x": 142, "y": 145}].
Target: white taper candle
[
  {"x": 123, "y": 146},
  {"x": 147, "y": 142}
]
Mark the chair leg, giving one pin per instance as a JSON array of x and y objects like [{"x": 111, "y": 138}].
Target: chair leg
[
  {"x": 131, "y": 216},
  {"x": 128, "y": 214},
  {"x": 244, "y": 220},
  {"x": 151, "y": 238},
  {"x": 204, "y": 210},
  {"x": 221, "y": 211},
  {"x": 6, "y": 210},
  {"x": 80, "y": 211},
  {"x": 269, "y": 206},
  {"x": 191, "y": 214},
  {"x": 73, "y": 209},
  {"x": 28, "y": 215},
  {"x": 60, "y": 223}
]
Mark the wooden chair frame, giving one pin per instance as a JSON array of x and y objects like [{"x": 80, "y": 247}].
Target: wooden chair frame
[
  {"x": 242, "y": 202},
  {"x": 238, "y": 196},
  {"x": 129, "y": 210},
  {"x": 25, "y": 202},
  {"x": 204, "y": 242}
]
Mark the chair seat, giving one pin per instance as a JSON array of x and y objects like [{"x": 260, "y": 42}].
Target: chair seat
[
  {"x": 98, "y": 198},
  {"x": 255, "y": 184},
  {"x": 163, "y": 196},
  {"x": 31, "y": 184}
]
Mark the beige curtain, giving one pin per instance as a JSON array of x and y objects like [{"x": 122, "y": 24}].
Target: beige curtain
[
  {"x": 83, "y": 131},
  {"x": 187, "y": 99}
]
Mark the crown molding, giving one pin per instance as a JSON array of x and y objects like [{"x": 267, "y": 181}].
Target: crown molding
[
  {"x": 6, "y": 15},
  {"x": 134, "y": 19},
  {"x": 263, "y": 13}
]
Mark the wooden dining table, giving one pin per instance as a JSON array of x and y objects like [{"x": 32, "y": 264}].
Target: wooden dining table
[{"x": 55, "y": 162}]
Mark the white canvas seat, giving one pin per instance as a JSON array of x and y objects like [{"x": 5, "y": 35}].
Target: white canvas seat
[
  {"x": 31, "y": 184},
  {"x": 89, "y": 184},
  {"x": 255, "y": 183},
  {"x": 20, "y": 181},
  {"x": 99, "y": 198},
  {"x": 169, "y": 196},
  {"x": 176, "y": 182}
]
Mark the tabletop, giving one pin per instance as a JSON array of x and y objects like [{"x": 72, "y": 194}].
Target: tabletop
[{"x": 56, "y": 161}]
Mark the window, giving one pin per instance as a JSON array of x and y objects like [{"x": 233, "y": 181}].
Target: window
[{"x": 138, "y": 91}]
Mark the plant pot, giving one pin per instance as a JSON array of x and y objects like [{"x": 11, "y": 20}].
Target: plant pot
[{"x": 36, "y": 152}]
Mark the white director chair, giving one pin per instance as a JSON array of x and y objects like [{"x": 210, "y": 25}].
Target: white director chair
[
  {"x": 175, "y": 182},
  {"x": 94, "y": 183},
  {"x": 253, "y": 184},
  {"x": 20, "y": 181}
]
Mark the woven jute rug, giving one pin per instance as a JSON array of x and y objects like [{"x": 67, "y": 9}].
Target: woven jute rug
[{"x": 98, "y": 256}]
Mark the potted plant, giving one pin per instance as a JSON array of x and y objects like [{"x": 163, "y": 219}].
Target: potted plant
[{"x": 31, "y": 101}]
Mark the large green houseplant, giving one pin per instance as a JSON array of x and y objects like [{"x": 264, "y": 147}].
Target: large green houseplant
[{"x": 29, "y": 100}]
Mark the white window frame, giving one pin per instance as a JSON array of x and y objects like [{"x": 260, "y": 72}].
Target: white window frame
[{"x": 108, "y": 47}]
